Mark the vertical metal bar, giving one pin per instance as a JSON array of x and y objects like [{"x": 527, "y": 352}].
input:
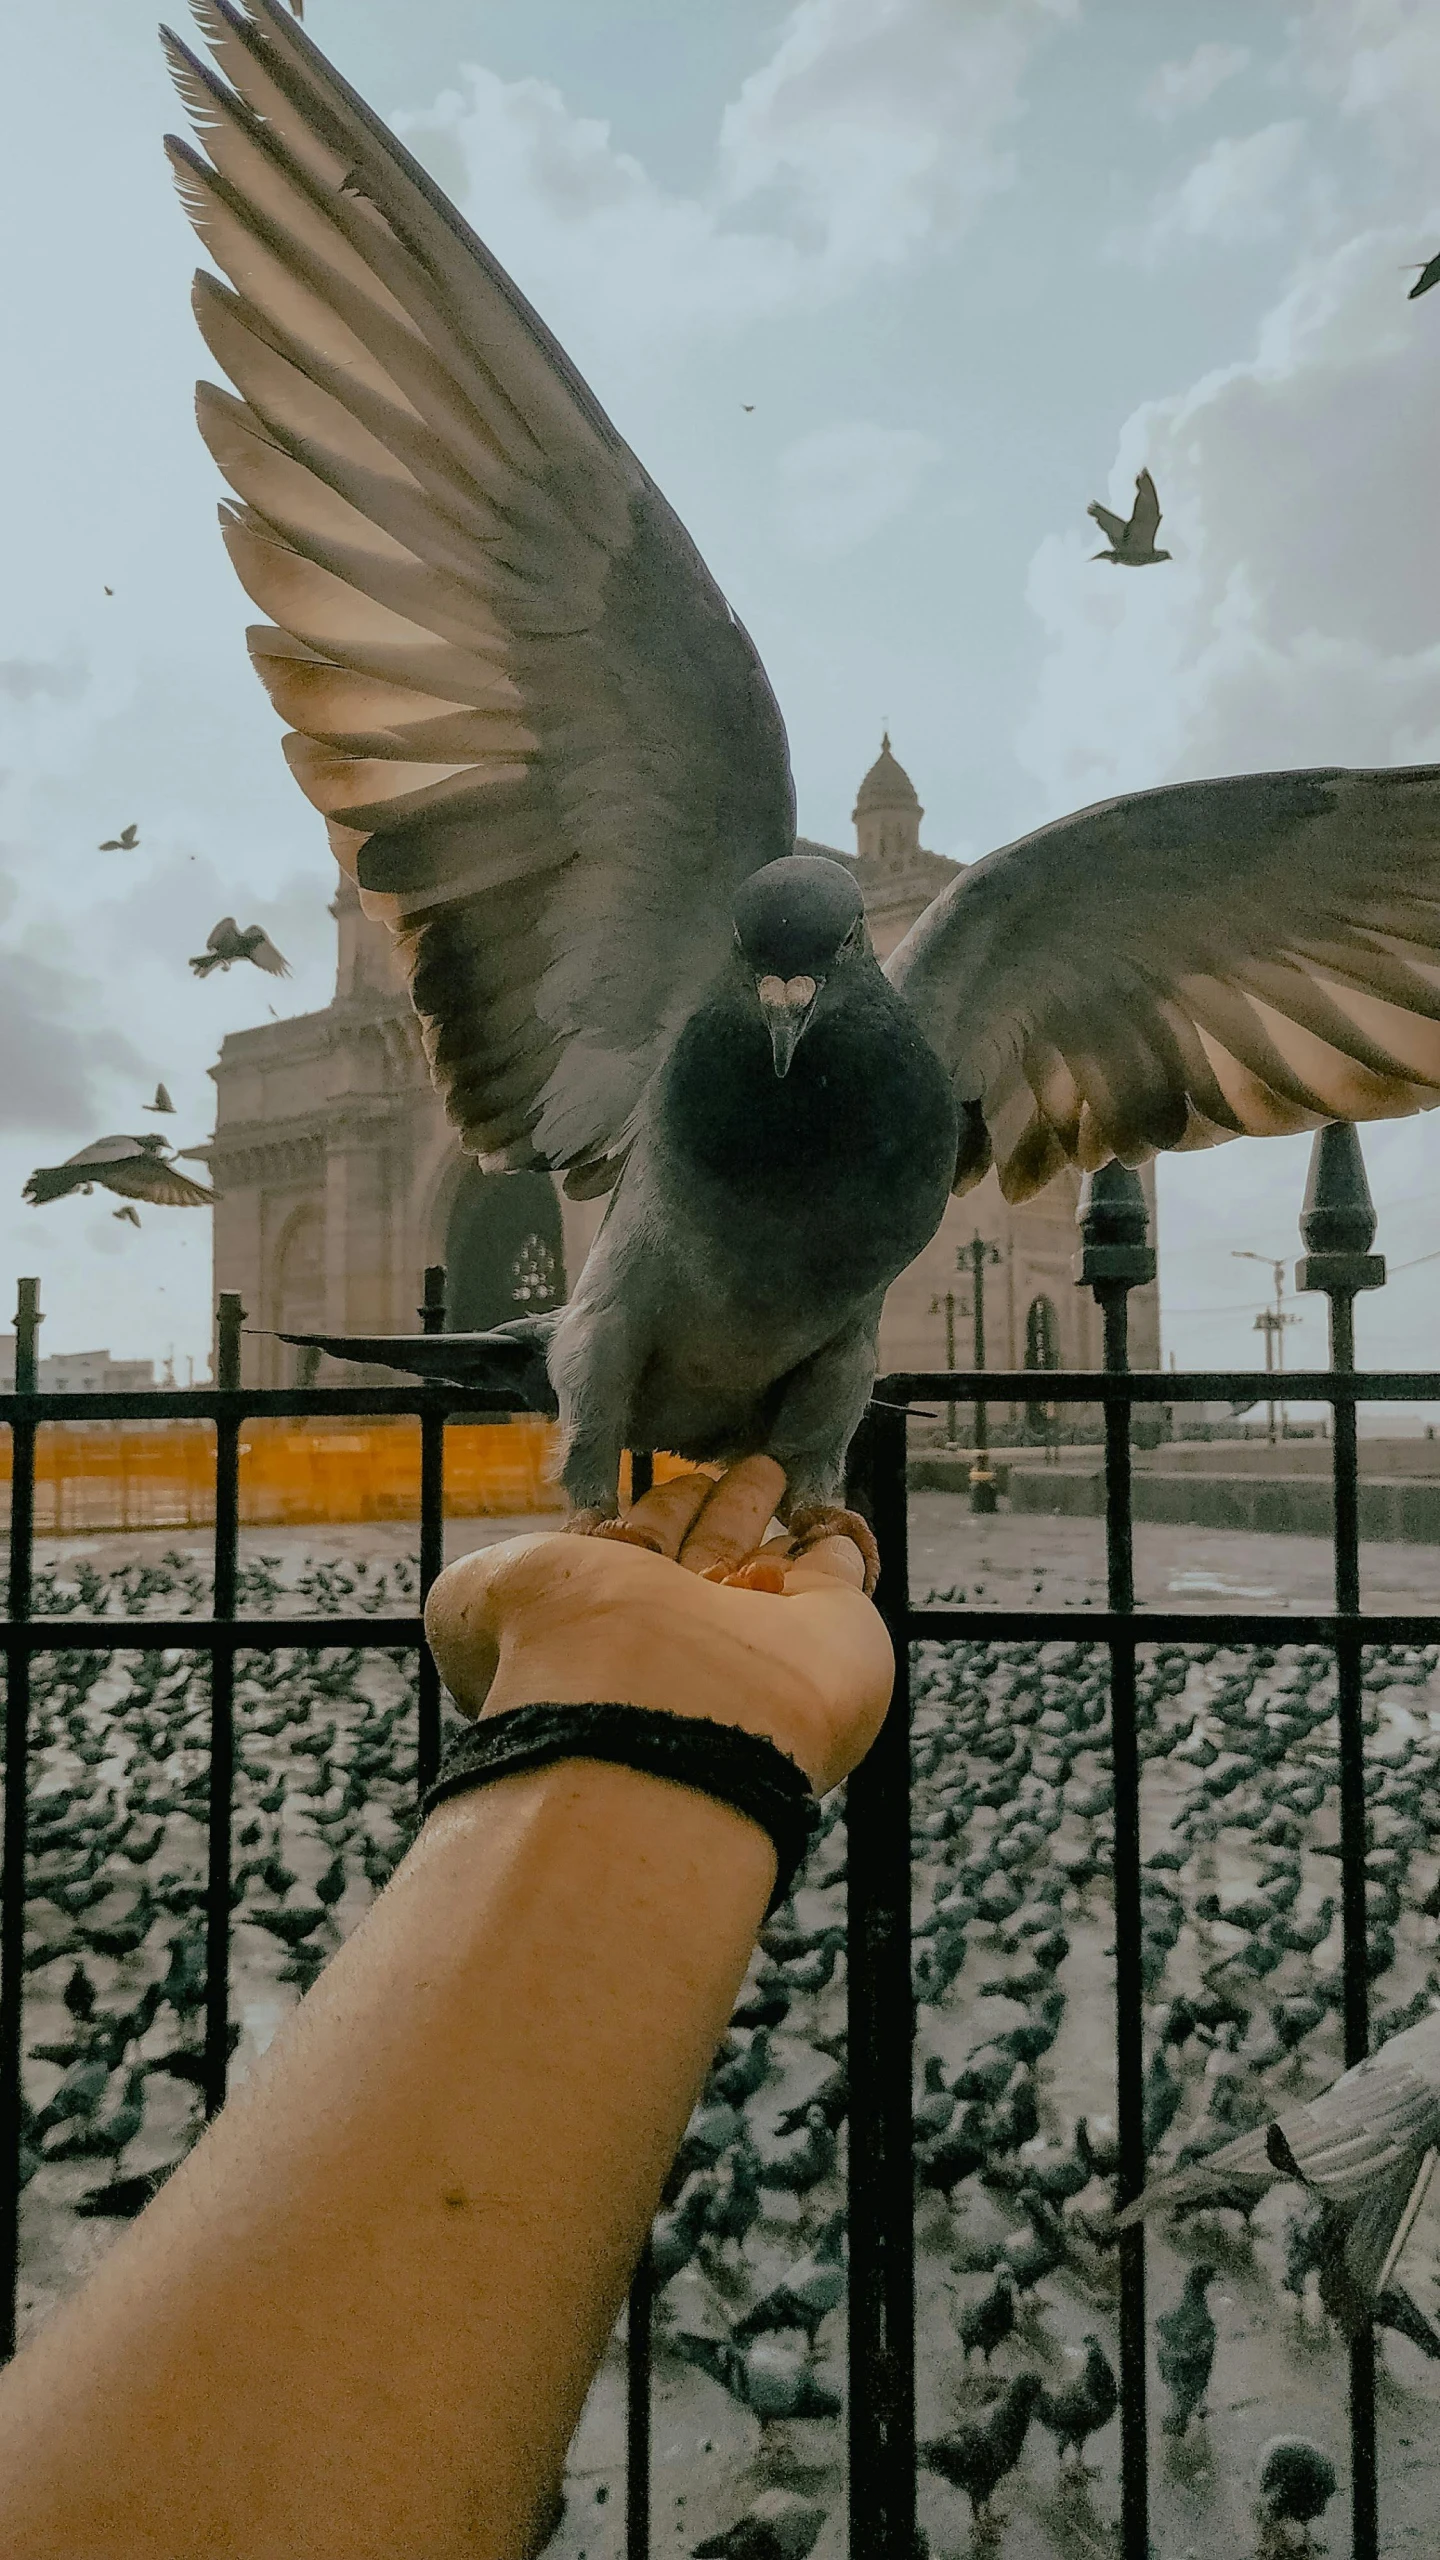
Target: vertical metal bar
[
  {"x": 432, "y": 1538},
  {"x": 639, "y": 2314},
  {"x": 880, "y": 2042},
  {"x": 1349, "y": 1710},
  {"x": 17, "y": 1774},
  {"x": 1129, "y": 1989},
  {"x": 230, "y": 1317}
]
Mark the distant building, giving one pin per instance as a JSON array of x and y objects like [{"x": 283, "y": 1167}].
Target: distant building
[
  {"x": 65, "y": 1373},
  {"x": 340, "y": 1178}
]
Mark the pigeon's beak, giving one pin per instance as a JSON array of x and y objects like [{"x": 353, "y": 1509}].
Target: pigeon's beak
[{"x": 787, "y": 1004}]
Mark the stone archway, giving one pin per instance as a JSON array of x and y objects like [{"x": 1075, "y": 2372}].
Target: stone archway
[
  {"x": 504, "y": 1249},
  {"x": 299, "y": 1295}
]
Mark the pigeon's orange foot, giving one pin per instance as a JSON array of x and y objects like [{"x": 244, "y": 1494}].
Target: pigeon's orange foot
[
  {"x": 605, "y": 1524},
  {"x": 823, "y": 1520}
]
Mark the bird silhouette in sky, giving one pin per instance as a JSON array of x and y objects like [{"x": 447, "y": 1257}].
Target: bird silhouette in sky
[
  {"x": 549, "y": 756},
  {"x": 138, "y": 1168},
  {"x": 227, "y": 944},
  {"x": 162, "y": 1101},
  {"x": 125, "y": 842},
  {"x": 129, "y": 1213},
  {"x": 1131, "y": 540},
  {"x": 1428, "y": 274}
]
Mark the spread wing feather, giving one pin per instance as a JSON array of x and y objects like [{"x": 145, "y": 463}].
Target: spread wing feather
[
  {"x": 544, "y": 746},
  {"x": 1247, "y": 956}
]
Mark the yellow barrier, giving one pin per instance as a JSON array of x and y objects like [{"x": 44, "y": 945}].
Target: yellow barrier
[{"x": 162, "y": 1476}]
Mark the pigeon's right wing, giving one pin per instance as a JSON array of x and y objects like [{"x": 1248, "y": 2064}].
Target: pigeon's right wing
[
  {"x": 1376, "y": 2122},
  {"x": 1112, "y": 526},
  {"x": 265, "y": 955},
  {"x": 223, "y": 936},
  {"x": 546, "y": 748},
  {"x": 1211, "y": 959},
  {"x": 1145, "y": 516}
]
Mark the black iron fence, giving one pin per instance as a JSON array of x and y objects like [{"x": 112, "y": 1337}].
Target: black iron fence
[{"x": 1338, "y": 1229}]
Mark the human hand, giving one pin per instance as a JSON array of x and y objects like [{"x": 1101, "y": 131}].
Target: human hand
[{"x": 714, "y": 1625}]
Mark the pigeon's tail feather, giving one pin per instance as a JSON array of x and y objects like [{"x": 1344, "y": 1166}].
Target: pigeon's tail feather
[
  {"x": 507, "y": 1365},
  {"x": 49, "y": 1182},
  {"x": 1379, "y": 2226},
  {"x": 205, "y": 962},
  {"x": 1245, "y": 2160}
]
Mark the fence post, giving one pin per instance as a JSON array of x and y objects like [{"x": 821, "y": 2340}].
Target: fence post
[
  {"x": 28, "y": 1320},
  {"x": 1337, "y": 1228},
  {"x": 431, "y": 1312},
  {"x": 880, "y": 2033},
  {"x": 229, "y": 1321},
  {"x": 1116, "y": 1257}
]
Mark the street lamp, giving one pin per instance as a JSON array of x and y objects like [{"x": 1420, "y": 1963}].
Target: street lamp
[
  {"x": 981, "y": 1256},
  {"x": 1271, "y": 1321}
]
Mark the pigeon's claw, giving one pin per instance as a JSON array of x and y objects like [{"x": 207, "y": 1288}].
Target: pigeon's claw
[
  {"x": 600, "y": 1524},
  {"x": 821, "y": 1520}
]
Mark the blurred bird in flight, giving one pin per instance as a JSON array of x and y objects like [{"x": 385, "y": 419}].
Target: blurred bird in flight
[
  {"x": 162, "y": 1101},
  {"x": 227, "y": 944},
  {"x": 138, "y": 1168},
  {"x": 1132, "y": 540},
  {"x": 127, "y": 839}
]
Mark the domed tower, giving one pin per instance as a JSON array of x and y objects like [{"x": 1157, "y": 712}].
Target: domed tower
[
  {"x": 897, "y": 876},
  {"x": 887, "y": 813}
]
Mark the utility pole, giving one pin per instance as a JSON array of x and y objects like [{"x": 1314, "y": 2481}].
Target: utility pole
[
  {"x": 1272, "y": 1321},
  {"x": 946, "y": 1306},
  {"x": 981, "y": 1257}
]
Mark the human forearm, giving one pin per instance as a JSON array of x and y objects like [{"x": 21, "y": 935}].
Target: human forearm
[{"x": 383, "y": 2281}]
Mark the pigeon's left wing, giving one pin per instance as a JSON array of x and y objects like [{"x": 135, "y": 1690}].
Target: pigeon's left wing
[
  {"x": 546, "y": 748},
  {"x": 1209, "y": 960},
  {"x": 148, "y": 1178},
  {"x": 1112, "y": 526}
]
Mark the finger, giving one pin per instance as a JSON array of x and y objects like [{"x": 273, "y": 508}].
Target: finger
[
  {"x": 732, "y": 1521},
  {"x": 830, "y": 1560},
  {"x": 665, "y": 1513}
]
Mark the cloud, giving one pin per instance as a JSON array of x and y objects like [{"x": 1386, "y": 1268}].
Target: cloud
[
  {"x": 44, "y": 679},
  {"x": 841, "y": 484},
  {"x": 1233, "y": 194},
  {"x": 50, "y": 1061},
  {"x": 1297, "y": 624},
  {"x": 1178, "y": 88},
  {"x": 1378, "y": 59},
  {"x": 873, "y": 130}
]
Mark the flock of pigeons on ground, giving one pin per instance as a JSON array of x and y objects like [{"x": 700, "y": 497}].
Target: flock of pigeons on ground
[{"x": 1011, "y": 1827}]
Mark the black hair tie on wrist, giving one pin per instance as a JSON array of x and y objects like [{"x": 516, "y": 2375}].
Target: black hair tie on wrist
[{"x": 742, "y": 1769}]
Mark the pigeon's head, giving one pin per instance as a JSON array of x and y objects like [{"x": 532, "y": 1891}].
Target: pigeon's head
[{"x": 798, "y": 923}]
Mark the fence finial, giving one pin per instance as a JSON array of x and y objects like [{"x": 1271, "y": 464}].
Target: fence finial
[
  {"x": 431, "y": 1311},
  {"x": 229, "y": 1317},
  {"x": 1337, "y": 1221},
  {"x": 1114, "y": 1223}
]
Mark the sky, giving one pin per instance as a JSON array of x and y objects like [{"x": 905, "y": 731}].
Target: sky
[{"x": 882, "y": 292}]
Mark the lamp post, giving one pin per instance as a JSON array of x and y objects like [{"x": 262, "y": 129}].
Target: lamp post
[
  {"x": 981, "y": 1256},
  {"x": 1271, "y": 1321},
  {"x": 946, "y": 1306}
]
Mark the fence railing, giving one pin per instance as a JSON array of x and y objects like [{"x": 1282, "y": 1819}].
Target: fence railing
[{"x": 1338, "y": 1229}]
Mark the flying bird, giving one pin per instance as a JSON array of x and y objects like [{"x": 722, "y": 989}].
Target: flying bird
[
  {"x": 138, "y": 1168},
  {"x": 129, "y": 1213},
  {"x": 549, "y": 757},
  {"x": 127, "y": 839},
  {"x": 227, "y": 944},
  {"x": 1366, "y": 2148},
  {"x": 1132, "y": 539},
  {"x": 162, "y": 1101},
  {"x": 1429, "y": 274}
]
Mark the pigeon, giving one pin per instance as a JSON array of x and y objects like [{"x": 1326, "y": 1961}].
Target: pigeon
[
  {"x": 1132, "y": 540},
  {"x": 977, "y": 2456},
  {"x": 162, "y": 1101},
  {"x": 781, "y": 2525},
  {"x": 986, "y": 2324},
  {"x": 139, "y": 1167},
  {"x": 129, "y": 1215},
  {"x": 1186, "y": 2349},
  {"x": 772, "y": 2379},
  {"x": 550, "y": 759},
  {"x": 1366, "y": 2146},
  {"x": 127, "y": 839},
  {"x": 1297, "y": 2482},
  {"x": 1082, "y": 2408},
  {"x": 227, "y": 944},
  {"x": 1429, "y": 274},
  {"x": 803, "y": 2297}
]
